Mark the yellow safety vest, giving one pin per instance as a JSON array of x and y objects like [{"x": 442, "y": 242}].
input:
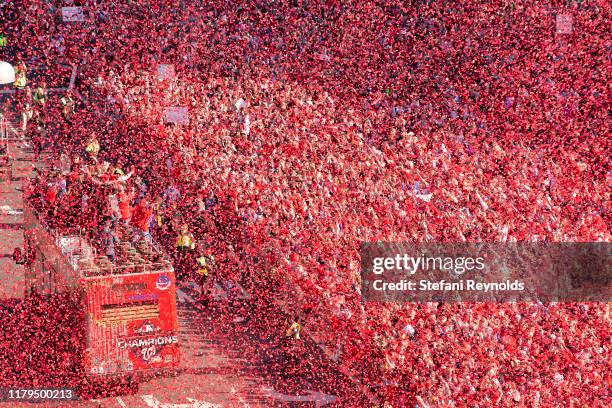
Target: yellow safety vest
[
  {"x": 66, "y": 100},
  {"x": 203, "y": 269},
  {"x": 93, "y": 147},
  {"x": 39, "y": 96},
  {"x": 20, "y": 79},
  {"x": 184, "y": 242},
  {"x": 294, "y": 330}
]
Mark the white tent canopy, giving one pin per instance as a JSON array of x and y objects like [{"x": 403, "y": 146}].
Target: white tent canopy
[{"x": 7, "y": 73}]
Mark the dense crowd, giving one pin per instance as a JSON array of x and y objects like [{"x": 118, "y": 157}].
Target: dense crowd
[{"x": 316, "y": 126}]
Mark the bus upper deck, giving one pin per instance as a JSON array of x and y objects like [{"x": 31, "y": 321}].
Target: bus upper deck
[
  {"x": 74, "y": 256},
  {"x": 129, "y": 302}
]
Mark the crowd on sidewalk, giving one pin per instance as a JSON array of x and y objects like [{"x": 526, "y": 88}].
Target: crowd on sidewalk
[{"x": 314, "y": 126}]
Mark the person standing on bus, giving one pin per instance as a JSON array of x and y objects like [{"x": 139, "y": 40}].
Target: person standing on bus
[
  {"x": 141, "y": 220},
  {"x": 294, "y": 330},
  {"x": 108, "y": 239},
  {"x": 23, "y": 256}
]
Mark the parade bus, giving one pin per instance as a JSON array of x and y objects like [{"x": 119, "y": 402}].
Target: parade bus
[{"x": 130, "y": 321}]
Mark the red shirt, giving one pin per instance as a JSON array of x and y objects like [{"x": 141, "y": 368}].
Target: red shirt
[
  {"x": 141, "y": 217},
  {"x": 124, "y": 206}
]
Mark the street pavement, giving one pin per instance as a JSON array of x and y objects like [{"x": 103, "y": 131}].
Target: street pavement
[{"x": 11, "y": 209}]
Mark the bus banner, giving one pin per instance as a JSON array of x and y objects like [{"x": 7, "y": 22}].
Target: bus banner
[{"x": 131, "y": 324}]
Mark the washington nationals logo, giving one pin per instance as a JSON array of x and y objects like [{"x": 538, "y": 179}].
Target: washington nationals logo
[{"x": 149, "y": 342}]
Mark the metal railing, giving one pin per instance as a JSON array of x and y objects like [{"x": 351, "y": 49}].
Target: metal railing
[{"x": 85, "y": 258}]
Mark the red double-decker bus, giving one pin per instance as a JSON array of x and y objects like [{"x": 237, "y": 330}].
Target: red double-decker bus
[{"x": 130, "y": 322}]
